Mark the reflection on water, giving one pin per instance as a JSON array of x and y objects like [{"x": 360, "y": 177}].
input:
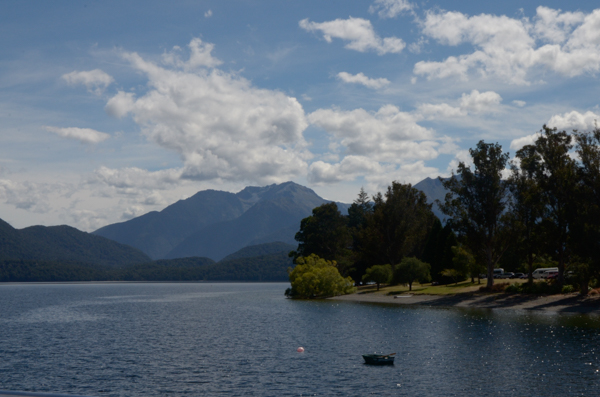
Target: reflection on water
[{"x": 241, "y": 339}]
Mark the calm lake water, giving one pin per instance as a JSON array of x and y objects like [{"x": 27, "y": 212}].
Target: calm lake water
[{"x": 241, "y": 339}]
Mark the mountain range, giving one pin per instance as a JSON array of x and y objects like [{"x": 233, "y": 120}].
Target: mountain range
[
  {"x": 214, "y": 224},
  {"x": 223, "y": 233},
  {"x": 64, "y": 243}
]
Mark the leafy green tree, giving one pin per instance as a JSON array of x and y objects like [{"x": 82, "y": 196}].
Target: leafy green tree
[
  {"x": 358, "y": 214},
  {"x": 325, "y": 233},
  {"x": 527, "y": 203},
  {"x": 314, "y": 277},
  {"x": 379, "y": 274},
  {"x": 410, "y": 270},
  {"x": 476, "y": 204},
  {"x": 465, "y": 262},
  {"x": 399, "y": 225},
  {"x": 587, "y": 228},
  {"x": 454, "y": 274},
  {"x": 556, "y": 174}
]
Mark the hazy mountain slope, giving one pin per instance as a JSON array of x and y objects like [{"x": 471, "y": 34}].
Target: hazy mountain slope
[
  {"x": 219, "y": 240},
  {"x": 157, "y": 233},
  {"x": 64, "y": 243},
  {"x": 434, "y": 190},
  {"x": 259, "y": 250},
  {"x": 277, "y": 212}
]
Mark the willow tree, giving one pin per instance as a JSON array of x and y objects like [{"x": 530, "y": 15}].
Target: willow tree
[{"x": 477, "y": 203}]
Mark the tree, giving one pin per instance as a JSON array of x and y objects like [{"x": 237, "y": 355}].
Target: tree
[
  {"x": 358, "y": 214},
  {"x": 411, "y": 269},
  {"x": 464, "y": 262},
  {"x": 314, "y": 277},
  {"x": 477, "y": 201},
  {"x": 587, "y": 228},
  {"x": 379, "y": 274},
  {"x": 324, "y": 233},
  {"x": 556, "y": 174},
  {"x": 527, "y": 203},
  {"x": 399, "y": 225}
]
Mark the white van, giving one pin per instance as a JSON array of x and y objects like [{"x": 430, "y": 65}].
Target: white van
[
  {"x": 498, "y": 272},
  {"x": 539, "y": 273}
]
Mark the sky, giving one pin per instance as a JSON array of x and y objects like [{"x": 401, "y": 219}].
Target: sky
[{"x": 113, "y": 109}]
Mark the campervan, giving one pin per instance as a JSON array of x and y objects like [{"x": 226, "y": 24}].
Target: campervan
[
  {"x": 498, "y": 272},
  {"x": 540, "y": 273}
]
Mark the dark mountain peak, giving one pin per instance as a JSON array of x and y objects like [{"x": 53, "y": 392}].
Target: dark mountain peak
[{"x": 290, "y": 190}]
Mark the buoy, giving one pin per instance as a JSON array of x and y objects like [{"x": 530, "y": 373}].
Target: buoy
[{"x": 300, "y": 350}]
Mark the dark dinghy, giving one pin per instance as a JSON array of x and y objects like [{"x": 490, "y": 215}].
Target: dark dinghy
[{"x": 379, "y": 359}]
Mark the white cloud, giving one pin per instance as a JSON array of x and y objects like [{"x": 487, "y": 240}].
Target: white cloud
[
  {"x": 200, "y": 56},
  {"x": 387, "y": 135},
  {"x": 208, "y": 14},
  {"x": 133, "y": 179},
  {"x": 348, "y": 169},
  {"x": 473, "y": 103},
  {"x": 518, "y": 143},
  {"x": 29, "y": 196},
  {"x": 222, "y": 127},
  {"x": 95, "y": 80},
  {"x": 390, "y": 8},
  {"x": 85, "y": 135},
  {"x": 359, "y": 32},
  {"x": 519, "y": 103},
  {"x": 477, "y": 102},
  {"x": 574, "y": 121},
  {"x": 508, "y": 48},
  {"x": 360, "y": 78}
]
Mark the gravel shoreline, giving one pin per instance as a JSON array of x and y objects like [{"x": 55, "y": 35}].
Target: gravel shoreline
[{"x": 562, "y": 303}]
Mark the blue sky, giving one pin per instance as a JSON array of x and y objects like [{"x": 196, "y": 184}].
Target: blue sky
[{"x": 114, "y": 109}]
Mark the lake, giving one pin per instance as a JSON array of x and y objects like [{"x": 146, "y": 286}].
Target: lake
[{"x": 240, "y": 339}]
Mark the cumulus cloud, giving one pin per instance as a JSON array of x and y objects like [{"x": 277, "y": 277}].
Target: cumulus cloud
[
  {"x": 208, "y": 14},
  {"x": 96, "y": 81},
  {"x": 222, "y": 126},
  {"x": 30, "y": 196},
  {"x": 387, "y": 135},
  {"x": 358, "y": 32},
  {"x": 84, "y": 135},
  {"x": 360, "y": 78},
  {"x": 518, "y": 143},
  {"x": 508, "y": 48},
  {"x": 519, "y": 103},
  {"x": 474, "y": 103},
  {"x": 390, "y": 8},
  {"x": 348, "y": 169},
  {"x": 574, "y": 121},
  {"x": 135, "y": 178},
  {"x": 200, "y": 56},
  {"x": 477, "y": 102}
]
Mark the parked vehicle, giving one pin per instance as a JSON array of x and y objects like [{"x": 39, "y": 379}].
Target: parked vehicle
[
  {"x": 538, "y": 273},
  {"x": 498, "y": 272},
  {"x": 550, "y": 274},
  {"x": 506, "y": 275},
  {"x": 518, "y": 275}
]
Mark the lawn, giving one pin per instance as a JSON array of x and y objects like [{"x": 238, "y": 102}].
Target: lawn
[{"x": 428, "y": 289}]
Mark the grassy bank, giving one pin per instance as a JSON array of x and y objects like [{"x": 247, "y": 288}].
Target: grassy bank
[{"x": 427, "y": 289}]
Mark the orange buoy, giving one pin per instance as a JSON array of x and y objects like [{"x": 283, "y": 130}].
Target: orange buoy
[{"x": 300, "y": 350}]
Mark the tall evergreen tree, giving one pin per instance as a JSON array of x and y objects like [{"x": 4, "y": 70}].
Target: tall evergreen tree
[{"x": 477, "y": 201}]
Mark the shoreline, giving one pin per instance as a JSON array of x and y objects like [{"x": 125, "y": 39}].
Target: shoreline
[{"x": 560, "y": 303}]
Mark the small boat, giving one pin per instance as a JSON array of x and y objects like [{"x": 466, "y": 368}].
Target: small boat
[{"x": 379, "y": 359}]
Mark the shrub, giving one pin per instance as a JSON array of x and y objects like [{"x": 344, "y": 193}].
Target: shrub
[
  {"x": 314, "y": 277},
  {"x": 567, "y": 289}
]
